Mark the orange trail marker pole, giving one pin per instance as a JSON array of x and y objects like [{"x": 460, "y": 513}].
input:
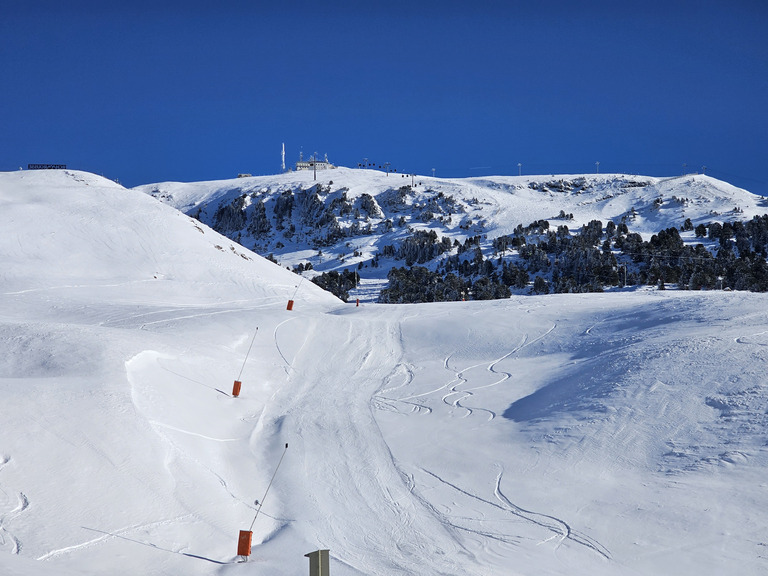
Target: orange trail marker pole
[{"x": 236, "y": 387}]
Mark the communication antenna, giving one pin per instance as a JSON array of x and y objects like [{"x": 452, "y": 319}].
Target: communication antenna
[
  {"x": 597, "y": 167},
  {"x": 519, "y": 169},
  {"x": 433, "y": 172},
  {"x": 282, "y": 165}
]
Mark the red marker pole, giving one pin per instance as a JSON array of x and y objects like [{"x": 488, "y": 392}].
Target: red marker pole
[{"x": 238, "y": 383}]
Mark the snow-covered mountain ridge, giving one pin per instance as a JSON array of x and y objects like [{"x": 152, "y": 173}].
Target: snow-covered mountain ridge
[
  {"x": 500, "y": 203},
  {"x": 356, "y": 219}
]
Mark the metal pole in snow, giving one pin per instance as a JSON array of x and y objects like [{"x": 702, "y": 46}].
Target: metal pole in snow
[
  {"x": 247, "y": 353},
  {"x": 297, "y": 288},
  {"x": 268, "y": 487}
]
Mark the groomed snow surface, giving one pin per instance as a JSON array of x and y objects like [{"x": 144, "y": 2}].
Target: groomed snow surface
[{"x": 610, "y": 434}]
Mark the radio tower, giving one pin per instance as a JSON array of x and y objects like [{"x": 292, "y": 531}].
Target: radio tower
[{"x": 282, "y": 166}]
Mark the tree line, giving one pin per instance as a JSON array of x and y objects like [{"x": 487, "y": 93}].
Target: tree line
[{"x": 539, "y": 260}]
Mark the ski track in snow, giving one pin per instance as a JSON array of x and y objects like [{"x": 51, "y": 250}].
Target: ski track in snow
[
  {"x": 459, "y": 389},
  {"x": 560, "y": 528},
  {"x": 3, "y": 463},
  {"x": 191, "y": 316},
  {"x": 466, "y": 393},
  {"x": 589, "y": 330},
  {"x": 747, "y": 339},
  {"x": 382, "y": 402},
  {"x": 189, "y": 432},
  {"x": 447, "y": 520},
  {"x": 455, "y": 386},
  {"x": 288, "y": 365},
  {"x": 21, "y": 505},
  {"x": 181, "y": 453},
  {"x": 178, "y": 313},
  {"x": 119, "y": 533},
  {"x": 365, "y": 357}
]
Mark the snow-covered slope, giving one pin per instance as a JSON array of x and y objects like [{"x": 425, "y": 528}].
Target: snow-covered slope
[
  {"x": 601, "y": 434},
  {"x": 65, "y": 226}
]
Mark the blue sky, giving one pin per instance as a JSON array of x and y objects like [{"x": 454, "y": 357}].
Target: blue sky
[{"x": 152, "y": 91}]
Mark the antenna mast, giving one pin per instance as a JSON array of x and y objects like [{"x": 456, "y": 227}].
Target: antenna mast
[{"x": 282, "y": 165}]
